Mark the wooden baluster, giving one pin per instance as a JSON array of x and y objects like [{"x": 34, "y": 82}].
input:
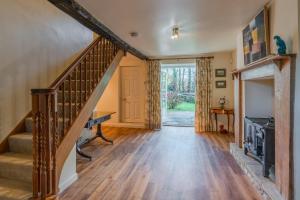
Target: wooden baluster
[
  {"x": 63, "y": 108},
  {"x": 98, "y": 61},
  {"x": 86, "y": 77},
  {"x": 113, "y": 50},
  {"x": 103, "y": 54},
  {"x": 91, "y": 67},
  {"x": 116, "y": 50},
  {"x": 102, "y": 57},
  {"x": 70, "y": 100},
  {"x": 107, "y": 54},
  {"x": 80, "y": 84},
  {"x": 55, "y": 141},
  {"x": 76, "y": 81},
  {"x": 110, "y": 52},
  {"x": 94, "y": 66}
]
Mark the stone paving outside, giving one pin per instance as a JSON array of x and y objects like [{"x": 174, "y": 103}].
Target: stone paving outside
[{"x": 179, "y": 118}]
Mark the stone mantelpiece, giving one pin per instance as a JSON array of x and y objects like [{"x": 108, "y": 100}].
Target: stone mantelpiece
[{"x": 282, "y": 70}]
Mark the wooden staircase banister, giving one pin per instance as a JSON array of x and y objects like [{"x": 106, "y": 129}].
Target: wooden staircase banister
[{"x": 60, "y": 112}]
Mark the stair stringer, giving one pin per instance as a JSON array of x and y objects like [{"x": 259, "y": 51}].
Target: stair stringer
[{"x": 74, "y": 132}]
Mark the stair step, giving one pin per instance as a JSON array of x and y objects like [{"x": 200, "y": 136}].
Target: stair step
[
  {"x": 21, "y": 143},
  {"x": 14, "y": 190},
  {"x": 16, "y": 166}
]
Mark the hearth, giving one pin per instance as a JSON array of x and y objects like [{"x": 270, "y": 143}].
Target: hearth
[{"x": 260, "y": 142}]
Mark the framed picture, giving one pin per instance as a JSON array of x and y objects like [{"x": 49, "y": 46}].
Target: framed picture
[
  {"x": 220, "y": 72},
  {"x": 256, "y": 39},
  {"x": 220, "y": 84}
]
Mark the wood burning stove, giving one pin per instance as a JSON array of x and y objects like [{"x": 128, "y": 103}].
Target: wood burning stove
[{"x": 260, "y": 141}]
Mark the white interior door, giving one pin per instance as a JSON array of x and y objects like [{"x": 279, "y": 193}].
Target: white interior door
[{"x": 132, "y": 93}]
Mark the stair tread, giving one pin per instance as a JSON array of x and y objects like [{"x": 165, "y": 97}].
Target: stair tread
[
  {"x": 16, "y": 158},
  {"x": 14, "y": 190},
  {"x": 21, "y": 143},
  {"x": 24, "y": 136}
]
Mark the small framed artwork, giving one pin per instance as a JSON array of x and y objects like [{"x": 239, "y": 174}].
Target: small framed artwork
[
  {"x": 220, "y": 72},
  {"x": 220, "y": 84}
]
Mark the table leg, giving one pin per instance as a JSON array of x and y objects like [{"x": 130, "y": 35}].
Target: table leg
[
  {"x": 216, "y": 118},
  {"x": 78, "y": 150},
  {"x": 233, "y": 119},
  {"x": 228, "y": 120},
  {"x": 100, "y": 134}
]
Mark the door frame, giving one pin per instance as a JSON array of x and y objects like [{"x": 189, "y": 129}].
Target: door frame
[{"x": 171, "y": 65}]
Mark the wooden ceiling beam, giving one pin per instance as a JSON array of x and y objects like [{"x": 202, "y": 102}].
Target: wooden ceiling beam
[{"x": 79, "y": 13}]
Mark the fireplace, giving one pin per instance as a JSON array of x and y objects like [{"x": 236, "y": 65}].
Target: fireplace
[
  {"x": 259, "y": 142},
  {"x": 259, "y": 139}
]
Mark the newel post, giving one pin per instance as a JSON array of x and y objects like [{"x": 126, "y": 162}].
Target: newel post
[{"x": 44, "y": 115}]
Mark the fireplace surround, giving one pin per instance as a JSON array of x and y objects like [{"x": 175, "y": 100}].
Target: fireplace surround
[{"x": 282, "y": 70}]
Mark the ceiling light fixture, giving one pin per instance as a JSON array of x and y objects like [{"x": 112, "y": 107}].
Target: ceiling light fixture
[
  {"x": 134, "y": 34},
  {"x": 175, "y": 33}
]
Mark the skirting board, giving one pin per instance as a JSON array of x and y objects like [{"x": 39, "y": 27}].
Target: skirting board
[
  {"x": 125, "y": 125},
  {"x": 64, "y": 185}
]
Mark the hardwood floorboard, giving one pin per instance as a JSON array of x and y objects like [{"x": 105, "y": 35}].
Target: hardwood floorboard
[{"x": 174, "y": 163}]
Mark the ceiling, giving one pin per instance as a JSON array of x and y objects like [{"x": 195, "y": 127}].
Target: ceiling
[{"x": 205, "y": 26}]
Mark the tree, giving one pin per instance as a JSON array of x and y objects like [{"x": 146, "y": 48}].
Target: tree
[
  {"x": 179, "y": 80},
  {"x": 189, "y": 85},
  {"x": 182, "y": 81}
]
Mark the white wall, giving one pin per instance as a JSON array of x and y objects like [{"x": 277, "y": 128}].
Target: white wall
[
  {"x": 297, "y": 131},
  {"x": 37, "y": 42},
  {"x": 68, "y": 174},
  {"x": 259, "y": 98}
]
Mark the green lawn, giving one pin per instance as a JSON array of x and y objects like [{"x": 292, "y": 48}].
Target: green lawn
[{"x": 184, "y": 106}]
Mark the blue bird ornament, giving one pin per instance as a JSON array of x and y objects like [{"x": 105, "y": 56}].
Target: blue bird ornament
[{"x": 281, "y": 47}]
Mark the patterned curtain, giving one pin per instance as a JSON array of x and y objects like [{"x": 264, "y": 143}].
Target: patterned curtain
[
  {"x": 153, "y": 112},
  {"x": 203, "y": 95}
]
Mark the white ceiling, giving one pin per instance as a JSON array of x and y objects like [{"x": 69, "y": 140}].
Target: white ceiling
[{"x": 205, "y": 26}]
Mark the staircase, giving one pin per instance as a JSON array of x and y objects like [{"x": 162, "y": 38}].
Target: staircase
[{"x": 32, "y": 165}]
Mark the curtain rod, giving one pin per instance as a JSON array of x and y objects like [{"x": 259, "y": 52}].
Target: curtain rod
[{"x": 186, "y": 58}]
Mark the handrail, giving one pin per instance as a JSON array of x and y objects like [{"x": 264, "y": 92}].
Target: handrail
[
  {"x": 57, "y": 109},
  {"x": 62, "y": 77}
]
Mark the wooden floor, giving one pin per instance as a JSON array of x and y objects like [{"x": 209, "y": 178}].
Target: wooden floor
[{"x": 174, "y": 163}]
